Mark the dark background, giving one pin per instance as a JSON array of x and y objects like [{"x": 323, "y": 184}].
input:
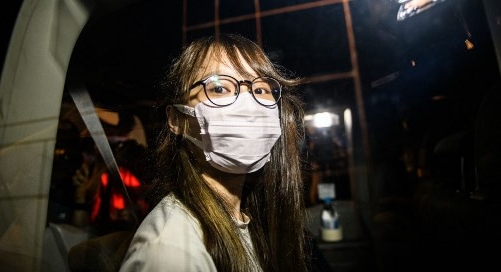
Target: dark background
[{"x": 430, "y": 196}]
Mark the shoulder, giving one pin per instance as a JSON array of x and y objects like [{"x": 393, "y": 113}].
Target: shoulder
[
  {"x": 167, "y": 216},
  {"x": 168, "y": 237}
]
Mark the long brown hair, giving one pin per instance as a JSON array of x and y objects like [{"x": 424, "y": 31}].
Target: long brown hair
[{"x": 274, "y": 203}]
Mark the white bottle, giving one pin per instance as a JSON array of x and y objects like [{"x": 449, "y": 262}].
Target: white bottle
[{"x": 330, "y": 227}]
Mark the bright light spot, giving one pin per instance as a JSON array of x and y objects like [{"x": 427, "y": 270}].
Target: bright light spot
[
  {"x": 325, "y": 119},
  {"x": 469, "y": 44},
  {"x": 347, "y": 118}
]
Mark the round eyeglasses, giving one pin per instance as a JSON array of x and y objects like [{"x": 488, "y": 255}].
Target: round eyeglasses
[{"x": 265, "y": 90}]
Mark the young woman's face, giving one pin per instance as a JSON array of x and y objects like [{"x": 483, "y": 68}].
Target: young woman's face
[{"x": 212, "y": 66}]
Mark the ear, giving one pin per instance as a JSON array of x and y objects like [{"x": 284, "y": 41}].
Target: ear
[{"x": 173, "y": 119}]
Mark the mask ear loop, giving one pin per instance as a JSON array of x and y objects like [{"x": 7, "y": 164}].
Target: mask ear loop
[
  {"x": 185, "y": 109},
  {"x": 191, "y": 112},
  {"x": 279, "y": 105}
]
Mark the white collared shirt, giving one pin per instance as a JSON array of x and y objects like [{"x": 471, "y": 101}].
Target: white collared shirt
[{"x": 171, "y": 239}]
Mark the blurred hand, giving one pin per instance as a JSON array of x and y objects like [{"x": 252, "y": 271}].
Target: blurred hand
[
  {"x": 409, "y": 8},
  {"x": 417, "y": 4}
]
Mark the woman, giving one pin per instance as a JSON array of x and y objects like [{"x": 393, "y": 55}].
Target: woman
[{"x": 229, "y": 195}]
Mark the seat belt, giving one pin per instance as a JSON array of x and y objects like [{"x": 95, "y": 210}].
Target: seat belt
[{"x": 85, "y": 107}]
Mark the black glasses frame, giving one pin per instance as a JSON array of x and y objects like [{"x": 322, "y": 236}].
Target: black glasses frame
[{"x": 238, "y": 83}]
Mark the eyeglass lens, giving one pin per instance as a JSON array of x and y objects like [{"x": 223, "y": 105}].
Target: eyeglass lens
[{"x": 266, "y": 90}]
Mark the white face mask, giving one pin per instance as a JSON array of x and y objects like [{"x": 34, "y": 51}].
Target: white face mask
[{"x": 237, "y": 138}]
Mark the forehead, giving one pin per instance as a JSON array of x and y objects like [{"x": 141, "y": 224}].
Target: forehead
[{"x": 219, "y": 62}]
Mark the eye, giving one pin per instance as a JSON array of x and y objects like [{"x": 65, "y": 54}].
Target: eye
[
  {"x": 261, "y": 87},
  {"x": 218, "y": 90},
  {"x": 261, "y": 91},
  {"x": 220, "y": 87}
]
